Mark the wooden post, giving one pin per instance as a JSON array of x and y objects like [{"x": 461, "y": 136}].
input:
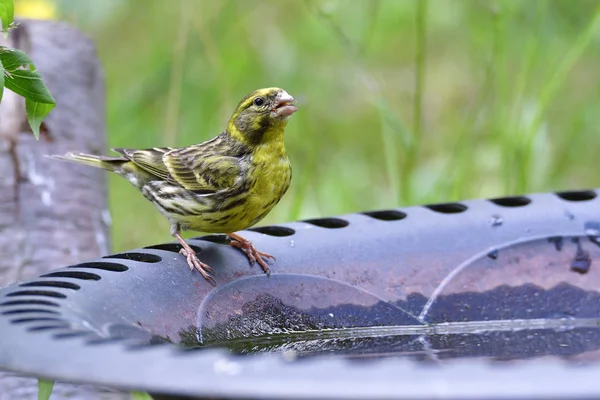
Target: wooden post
[{"x": 52, "y": 214}]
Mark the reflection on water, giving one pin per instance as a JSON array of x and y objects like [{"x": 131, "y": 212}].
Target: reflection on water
[
  {"x": 514, "y": 302},
  {"x": 498, "y": 340},
  {"x": 516, "y": 331}
]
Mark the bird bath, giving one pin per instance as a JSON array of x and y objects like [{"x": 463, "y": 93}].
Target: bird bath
[{"x": 483, "y": 298}]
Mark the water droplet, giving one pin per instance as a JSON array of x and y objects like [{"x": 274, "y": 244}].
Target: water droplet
[
  {"x": 582, "y": 262},
  {"x": 569, "y": 215},
  {"x": 496, "y": 220},
  {"x": 493, "y": 254},
  {"x": 595, "y": 240},
  {"x": 291, "y": 243},
  {"x": 592, "y": 232},
  {"x": 592, "y": 229},
  {"x": 558, "y": 242}
]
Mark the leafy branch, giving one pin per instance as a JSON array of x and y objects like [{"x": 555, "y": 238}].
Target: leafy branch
[{"x": 18, "y": 73}]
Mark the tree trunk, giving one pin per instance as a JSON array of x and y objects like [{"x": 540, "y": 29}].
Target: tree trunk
[{"x": 52, "y": 214}]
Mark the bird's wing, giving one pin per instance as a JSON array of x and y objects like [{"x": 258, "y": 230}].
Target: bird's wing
[
  {"x": 150, "y": 160},
  {"x": 203, "y": 169}
]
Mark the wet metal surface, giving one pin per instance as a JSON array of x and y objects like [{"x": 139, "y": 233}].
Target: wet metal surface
[{"x": 511, "y": 280}]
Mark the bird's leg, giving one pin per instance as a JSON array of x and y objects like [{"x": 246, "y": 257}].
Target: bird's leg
[
  {"x": 253, "y": 255},
  {"x": 193, "y": 261}
]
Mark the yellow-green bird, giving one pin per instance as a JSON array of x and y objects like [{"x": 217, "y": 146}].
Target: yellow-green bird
[{"x": 223, "y": 185}]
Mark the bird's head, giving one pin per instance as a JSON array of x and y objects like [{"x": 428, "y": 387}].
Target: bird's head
[{"x": 262, "y": 116}]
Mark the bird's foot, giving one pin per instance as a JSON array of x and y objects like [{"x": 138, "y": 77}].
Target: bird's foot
[
  {"x": 194, "y": 262},
  {"x": 251, "y": 252}
]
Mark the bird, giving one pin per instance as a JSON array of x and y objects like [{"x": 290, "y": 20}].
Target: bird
[{"x": 223, "y": 185}]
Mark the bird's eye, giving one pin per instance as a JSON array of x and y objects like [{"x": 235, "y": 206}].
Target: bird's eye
[{"x": 259, "y": 101}]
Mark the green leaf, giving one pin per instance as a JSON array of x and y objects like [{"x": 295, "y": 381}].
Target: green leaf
[
  {"x": 44, "y": 389},
  {"x": 36, "y": 112},
  {"x": 7, "y": 13},
  {"x": 21, "y": 76},
  {"x": 140, "y": 396},
  {"x": 1, "y": 80}
]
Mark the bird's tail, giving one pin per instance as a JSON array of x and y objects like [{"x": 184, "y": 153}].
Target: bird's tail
[{"x": 108, "y": 163}]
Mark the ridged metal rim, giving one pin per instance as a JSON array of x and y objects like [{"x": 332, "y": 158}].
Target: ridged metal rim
[{"x": 30, "y": 314}]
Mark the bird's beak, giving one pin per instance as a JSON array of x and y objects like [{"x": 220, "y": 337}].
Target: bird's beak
[{"x": 284, "y": 106}]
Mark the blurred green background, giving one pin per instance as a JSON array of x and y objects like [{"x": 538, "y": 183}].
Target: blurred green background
[{"x": 402, "y": 101}]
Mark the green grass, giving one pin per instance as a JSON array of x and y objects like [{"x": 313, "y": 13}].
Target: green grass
[
  {"x": 402, "y": 101},
  {"x": 45, "y": 388}
]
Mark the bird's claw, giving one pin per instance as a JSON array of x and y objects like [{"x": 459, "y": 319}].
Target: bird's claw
[
  {"x": 254, "y": 256},
  {"x": 195, "y": 263}
]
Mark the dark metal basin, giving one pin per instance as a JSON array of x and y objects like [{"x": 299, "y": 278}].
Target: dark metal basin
[{"x": 479, "y": 299}]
